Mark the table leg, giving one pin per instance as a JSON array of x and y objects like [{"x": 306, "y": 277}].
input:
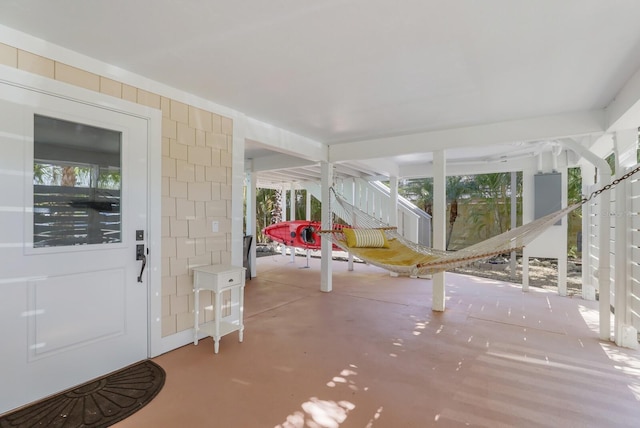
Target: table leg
[{"x": 196, "y": 312}]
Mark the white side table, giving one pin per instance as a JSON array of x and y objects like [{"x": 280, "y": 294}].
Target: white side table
[{"x": 220, "y": 279}]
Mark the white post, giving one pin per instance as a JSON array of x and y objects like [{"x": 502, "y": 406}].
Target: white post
[
  {"x": 527, "y": 216},
  {"x": 283, "y": 211},
  {"x": 326, "y": 283},
  {"x": 393, "y": 207},
  {"x": 626, "y": 147},
  {"x": 292, "y": 216},
  {"x": 250, "y": 183},
  {"x": 439, "y": 224},
  {"x": 354, "y": 189},
  {"x": 562, "y": 258},
  {"x": 308, "y": 217},
  {"x": 237, "y": 183},
  {"x": 587, "y": 171},
  {"x": 393, "y": 201},
  {"x": 604, "y": 257},
  {"x": 514, "y": 220}
]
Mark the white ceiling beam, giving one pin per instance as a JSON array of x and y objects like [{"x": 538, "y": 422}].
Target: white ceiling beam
[
  {"x": 275, "y": 162},
  {"x": 379, "y": 167},
  {"x": 283, "y": 177},
  {"x": 348, "y": 170},
  {"x": 294, "y": 173},
  {"x": 624, "y": 111},
  {"x": 532, "y": 129},
  {"x": 472, "y": 168},
  {"x": 284, "y": 141}
]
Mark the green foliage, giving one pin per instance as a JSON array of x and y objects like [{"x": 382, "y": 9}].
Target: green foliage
[
  {"x": 490, "y": 209},
  {"x": 269, "y": 211},
  {"x": 484, "y": 198},
  {"x": 418, "y": 191},
  {"x": 51, "y": 174}
]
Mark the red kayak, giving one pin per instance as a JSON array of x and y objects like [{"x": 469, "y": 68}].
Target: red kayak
[{"x": 297, "y": 233}]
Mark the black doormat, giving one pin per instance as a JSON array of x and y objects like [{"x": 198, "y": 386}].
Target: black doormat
[{"x": 99, "y": 403}]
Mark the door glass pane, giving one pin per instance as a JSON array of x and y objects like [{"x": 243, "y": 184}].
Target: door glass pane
[{"x": 76, "y": 184}]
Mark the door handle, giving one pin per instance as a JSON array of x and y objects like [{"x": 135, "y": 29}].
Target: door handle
[{"x": 141, "y": 256}]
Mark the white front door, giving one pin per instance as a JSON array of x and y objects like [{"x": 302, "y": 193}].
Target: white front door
[{"x": 73, "y": 186}]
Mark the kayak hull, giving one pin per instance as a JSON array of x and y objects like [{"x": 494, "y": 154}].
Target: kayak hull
[{"x": 296, "y": 233}]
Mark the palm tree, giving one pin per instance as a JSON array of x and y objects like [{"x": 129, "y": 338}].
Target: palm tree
[
  {"x": 267, "y": 211},
  {"x": 490, "y": 214},
  {"x": 418, "y": 191},
  {"x": 301, "y": 207},
  {"x": 458, "y": 187}
]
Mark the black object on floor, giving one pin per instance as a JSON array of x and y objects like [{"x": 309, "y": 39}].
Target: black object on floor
[{"x": 99, "y": 403}]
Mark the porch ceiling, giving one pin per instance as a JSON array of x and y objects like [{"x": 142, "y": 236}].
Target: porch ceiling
[{"x": 382, "y": 84}]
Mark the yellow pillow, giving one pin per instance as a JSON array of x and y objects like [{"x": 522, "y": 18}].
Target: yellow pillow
[{"x": 365, "y": 238}]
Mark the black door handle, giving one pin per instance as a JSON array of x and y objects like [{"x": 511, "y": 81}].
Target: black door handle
[
  {"x": 144, "y": 264},
  {"x": 141, "y": 256}
]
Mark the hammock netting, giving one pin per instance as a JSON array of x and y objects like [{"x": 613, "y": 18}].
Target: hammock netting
[{"x": 406, "y": 257}]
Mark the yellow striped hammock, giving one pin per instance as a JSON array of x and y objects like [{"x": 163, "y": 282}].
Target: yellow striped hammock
[{"x": 397, "y": 254}]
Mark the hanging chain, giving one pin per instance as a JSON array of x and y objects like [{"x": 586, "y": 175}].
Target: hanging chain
[{"x": 610, "y": 185}]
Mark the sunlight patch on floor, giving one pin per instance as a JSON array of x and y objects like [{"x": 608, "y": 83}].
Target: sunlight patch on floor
[
  {"x": 319, "y": 413},
  {"x": 591, "y": 317},
  {"x": 626, "y": 364}
]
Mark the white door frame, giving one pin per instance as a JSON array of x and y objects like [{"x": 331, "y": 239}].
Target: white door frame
[{"x": 17, "y": 78}]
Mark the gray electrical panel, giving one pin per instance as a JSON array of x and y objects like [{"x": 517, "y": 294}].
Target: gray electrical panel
[{"x": 548, "y": 194}]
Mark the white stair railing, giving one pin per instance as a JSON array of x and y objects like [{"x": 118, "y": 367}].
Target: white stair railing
[{"x": 374, "y": 198}]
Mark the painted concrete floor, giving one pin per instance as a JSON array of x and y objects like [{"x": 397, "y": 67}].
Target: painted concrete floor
[{"x": 372, "y": 354}]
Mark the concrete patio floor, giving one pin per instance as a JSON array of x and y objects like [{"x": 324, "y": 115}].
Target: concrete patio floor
[{"x": 372, "y": 354}]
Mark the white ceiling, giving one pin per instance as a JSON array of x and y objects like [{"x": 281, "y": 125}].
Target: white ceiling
[{"x": 364, "y": 76}]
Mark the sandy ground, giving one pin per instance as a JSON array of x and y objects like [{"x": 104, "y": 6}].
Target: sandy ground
[{"x": 542, "y": 273}]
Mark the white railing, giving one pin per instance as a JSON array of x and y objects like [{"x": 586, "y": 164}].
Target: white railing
[
  {"x": 624, "y": 240},
  {"x": 633, "y": 202},
  {"x": 374, "y": 198},
  {"x": 590, "y": 246}
]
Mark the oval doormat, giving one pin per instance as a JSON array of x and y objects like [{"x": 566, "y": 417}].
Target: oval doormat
[{"x": 99, "y": 403}]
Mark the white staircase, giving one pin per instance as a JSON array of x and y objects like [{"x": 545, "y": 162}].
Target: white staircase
[{"x": 374, "y": 198}]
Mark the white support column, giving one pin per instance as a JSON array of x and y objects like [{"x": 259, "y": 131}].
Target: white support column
[
  {"x": 604, "y": 256},
  {"x": 307, "y": 214},
  {"x": 587, "y": 172},
  {"x": 237, "y": 184},
  {"x": 250, "y": 183},
  {"x": 625, "y": 147},
  {"x": 326, "y": 280},
  {"x": 439, "y": 224},
  {"x": 514, "y": 220},
  {"x": 283, "y": 211},
  {"x": 527, "y": 216},
  {"x": 562, "y": 258},
  {"x": 393, "y": 207},
  {"x": 393, "y": 201},
  {"x": 292, "y": 216},
  {"x": 355, "y": 189}
]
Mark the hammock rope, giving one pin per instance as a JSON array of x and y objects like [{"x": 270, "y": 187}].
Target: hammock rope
[{"x": 406, "y": 257}]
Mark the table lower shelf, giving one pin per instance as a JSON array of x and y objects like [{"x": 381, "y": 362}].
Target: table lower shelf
[{"x": 225, "y": 328}]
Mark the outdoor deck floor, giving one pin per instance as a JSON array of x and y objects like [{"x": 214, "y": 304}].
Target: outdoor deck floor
[{"x": 372, "y": 353}]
